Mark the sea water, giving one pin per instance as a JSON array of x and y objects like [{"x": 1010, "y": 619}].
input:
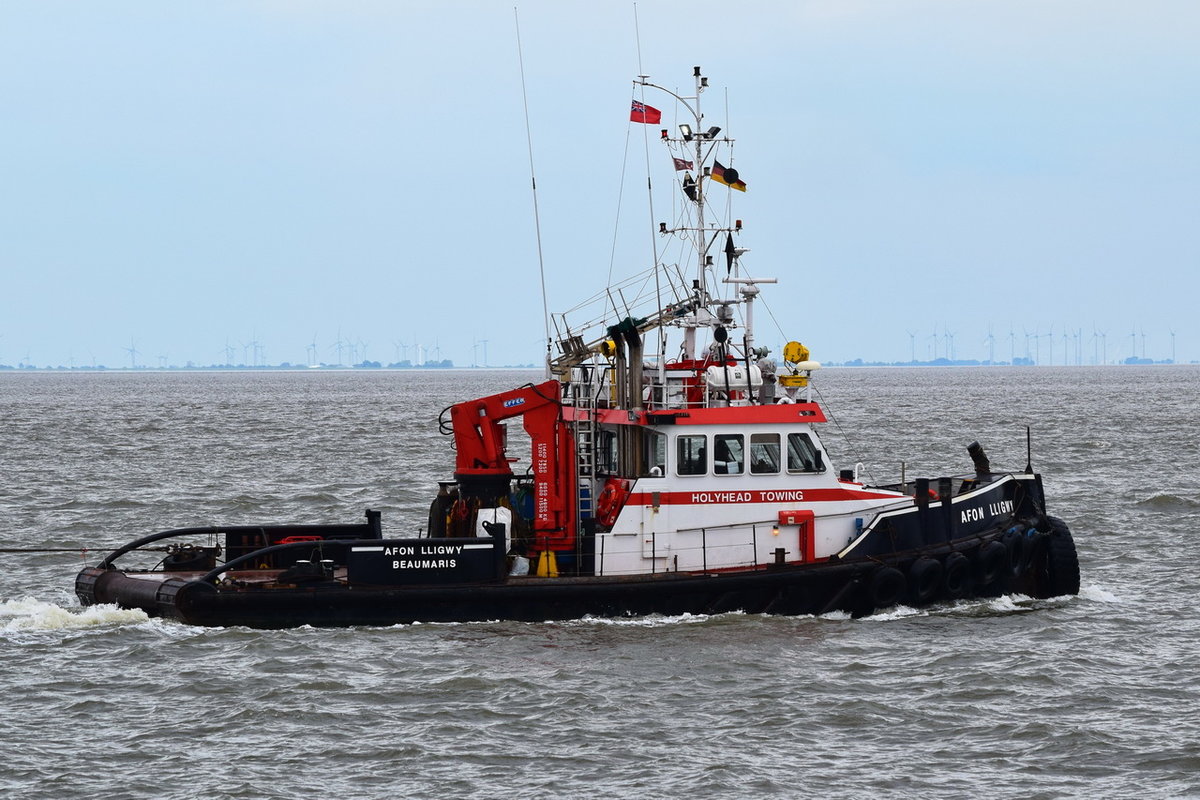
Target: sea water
[{"x": 1087, "y": 696}]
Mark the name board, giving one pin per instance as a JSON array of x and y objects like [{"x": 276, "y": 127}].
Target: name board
[
  {"x": 982, "y": 515},
  {"x": 422, "y": 561}
]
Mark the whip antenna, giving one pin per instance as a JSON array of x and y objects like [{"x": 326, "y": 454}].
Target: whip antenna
[
  {"x": 537, "y": 224},
  {"x": 642, "y": 78},
  {"x": 1028, "y": 451}
]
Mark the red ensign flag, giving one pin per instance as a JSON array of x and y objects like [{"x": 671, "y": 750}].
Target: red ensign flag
[{"x": 644, "y": 113}]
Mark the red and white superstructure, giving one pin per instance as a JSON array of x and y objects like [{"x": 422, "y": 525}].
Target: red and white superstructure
[{"x": 704, "y": 459}]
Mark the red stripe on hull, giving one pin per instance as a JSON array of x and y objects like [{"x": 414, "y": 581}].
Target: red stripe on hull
[{"x": 725, "y": 497}]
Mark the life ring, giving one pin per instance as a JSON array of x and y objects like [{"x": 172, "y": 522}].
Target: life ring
[
  {"x": 956, "y": 574},
  {"x": 887, "y": 587},
  {"x": 990, "y": 562},
  {"x": 924, "y": 579},
  {"x": 610, "y": 501}
]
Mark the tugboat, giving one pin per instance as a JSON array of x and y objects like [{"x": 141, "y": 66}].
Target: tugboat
[{"x": 674, "y": 469}]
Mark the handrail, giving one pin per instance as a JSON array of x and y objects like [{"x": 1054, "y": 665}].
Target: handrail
[
  {"x": 218, "y": 529},
  {"x": 137, "y": 544},
  {"x": 319, "y": 545}
]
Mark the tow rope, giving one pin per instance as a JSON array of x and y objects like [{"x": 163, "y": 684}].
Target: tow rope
[{"x": 80, "y": 550}]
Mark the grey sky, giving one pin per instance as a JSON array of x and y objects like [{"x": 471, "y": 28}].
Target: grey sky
[{"x": 185, "y": 174}]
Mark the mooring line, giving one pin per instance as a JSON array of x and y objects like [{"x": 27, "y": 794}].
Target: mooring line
[{"x": 80, "y": 550}]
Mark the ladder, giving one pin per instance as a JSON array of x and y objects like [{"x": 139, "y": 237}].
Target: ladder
[{"x": 584, "y": 432}]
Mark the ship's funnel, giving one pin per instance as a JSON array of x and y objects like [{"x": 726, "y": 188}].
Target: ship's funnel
[{"x": 979, "y": 458}]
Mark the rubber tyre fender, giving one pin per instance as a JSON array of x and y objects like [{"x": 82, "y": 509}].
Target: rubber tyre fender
[
  {"x": 924, "y": 579},
  {"x": 991, "y": 561},
  {"x": 887, "y": 587},
  {"x": 1064, "y": 560},
  {"x": 956, "y": 576},
  {"x": 1015, "y": 542}
]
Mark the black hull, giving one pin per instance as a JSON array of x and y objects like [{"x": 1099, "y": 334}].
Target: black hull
[{"x": 1036, "y": 563}]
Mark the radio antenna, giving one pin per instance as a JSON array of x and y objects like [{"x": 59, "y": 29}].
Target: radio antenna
[
  {"x": 537, "y": 224},
  {"x": 1028, "y": 452}
]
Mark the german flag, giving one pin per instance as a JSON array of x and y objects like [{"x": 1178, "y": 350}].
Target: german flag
[{"x": 727, "y": 176}]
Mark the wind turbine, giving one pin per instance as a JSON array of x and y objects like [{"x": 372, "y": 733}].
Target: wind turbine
[
  {"x": 912, "y": 343},
  {"x": 310, "y": 351},
  {"x": 990, "y": 341},
  {"x": 1012, "y": 346},
  {"x": 338, "y": 345},
  {"x": 1172, "y": 345},
  {"x": 133, "y": 353}
]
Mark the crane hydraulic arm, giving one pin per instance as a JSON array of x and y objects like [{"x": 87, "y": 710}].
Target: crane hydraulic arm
[{"x": 482, "y": 464}]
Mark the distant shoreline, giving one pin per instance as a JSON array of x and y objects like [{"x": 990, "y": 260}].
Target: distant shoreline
[{"x": 7, "y": 369}]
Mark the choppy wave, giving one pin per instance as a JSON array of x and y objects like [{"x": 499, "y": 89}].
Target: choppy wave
[
  {"x": 650, "y": 621},
  {"x": 1063, "y": 697},
  {"x": 1097, "y": 595},
  {"x": 1166, "y": 501}
]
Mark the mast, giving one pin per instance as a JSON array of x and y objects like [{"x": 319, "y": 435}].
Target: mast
[
  {"x": 695, "y": 137},
  {"x": 701, "y": 278},
  {"x": 692, "y": 307}
]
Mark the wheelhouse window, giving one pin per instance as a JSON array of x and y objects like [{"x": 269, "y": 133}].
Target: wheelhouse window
[
  {"x": 606, "y": 452},
  {"x": 656, "y": 453},
  {"x": 764, "y": 453},
  {"x": 691, "y": 455},
  {"x": 803, "y": 455},
  {"x": 729, "y": 454}
]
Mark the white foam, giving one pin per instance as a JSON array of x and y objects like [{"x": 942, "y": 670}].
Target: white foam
[
  {"x": 1004, "y": 604},
  {"x": 895, "y": 612},
  {"x": 837, "y": 616},
  {"x": 29, "y": 614},
  {"x": 1094, "y": 592},
  {"x": 651, "y": 621}
]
